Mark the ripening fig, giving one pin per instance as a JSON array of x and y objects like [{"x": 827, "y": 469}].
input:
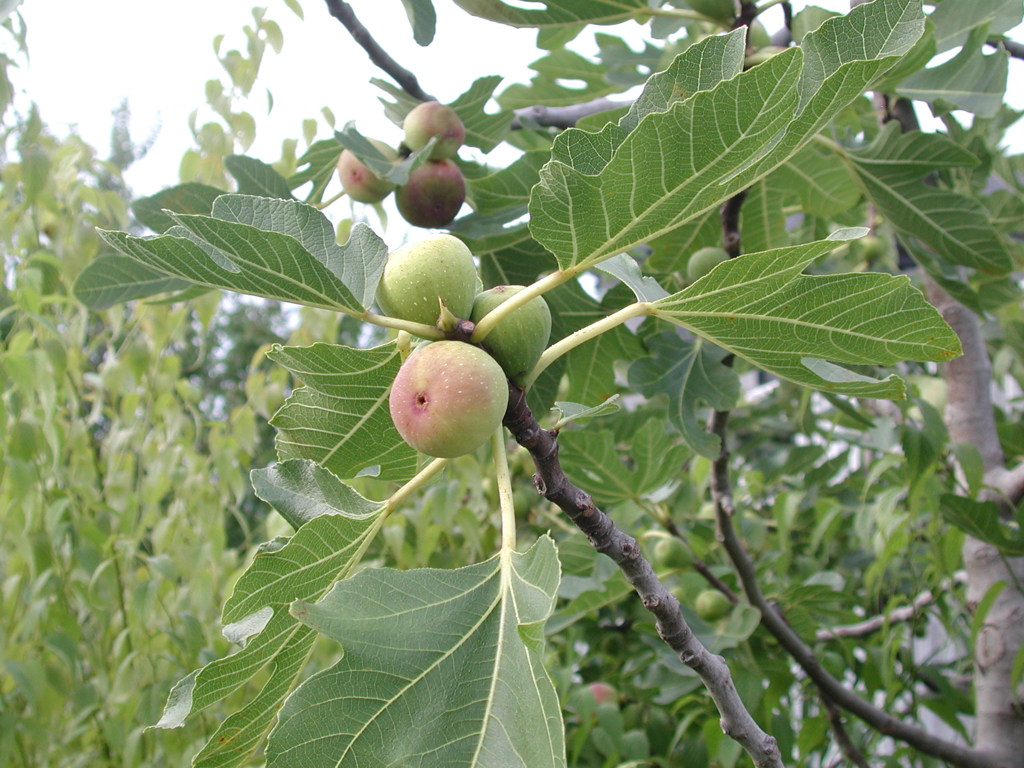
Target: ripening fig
[
  {"x": 712, "y": 605},
  {"x": 604, "y": 693},
  {"x": 359, "y": 182},
  {"x": 703, "y": 261},
  {"x": 433, "y": 194},
  {"x": 448, "y": 398},
  {"x": 519, "y": 339},
  {"x": 421, "y": 273},
  {"x": 430, "y": 119}
]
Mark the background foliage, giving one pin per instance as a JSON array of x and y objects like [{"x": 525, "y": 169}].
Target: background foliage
[{"x": 130, "y": 423}]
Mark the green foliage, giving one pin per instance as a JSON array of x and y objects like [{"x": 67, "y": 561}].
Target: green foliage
[{"x": 347, "y": 602}]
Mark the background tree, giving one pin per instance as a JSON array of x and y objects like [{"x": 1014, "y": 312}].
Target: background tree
[{"x": 792, "y": 418}]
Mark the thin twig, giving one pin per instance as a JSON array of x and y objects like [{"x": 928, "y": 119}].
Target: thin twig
[
  {"x": 607, "y": 538},
  {"x": 563, "y": 117},
  {"x": 1012, "y": 47},
  {"x": 341, "y": 10},
  {"x": 843, "y": 740},
  {"x": 771, "y": 619}
]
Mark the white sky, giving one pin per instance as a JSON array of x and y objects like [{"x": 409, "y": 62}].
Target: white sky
[{"x": 87, "y": 57}]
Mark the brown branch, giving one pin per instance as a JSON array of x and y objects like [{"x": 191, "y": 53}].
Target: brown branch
[
  {"x": 843, "y": 740},
  {"x": 607, "y": 538},
  {"x": 702, "y": 568},
  {"x": 1012, "y": 47},
  {"x": 340, "y": 10},
  {"x": 895, "y": 616},
  {"x": 772, "y": 620}
]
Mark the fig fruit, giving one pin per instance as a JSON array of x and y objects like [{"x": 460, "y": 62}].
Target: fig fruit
[
  {"x": 703, "y": 261},
  {"x": 359, "y": 182},
  {"x": 519, "y": 339},
  {"x": 712, "y": 605},
  {"x": 433, "y": 194},
  {"x": 420, "y": 273},
  {"x": 448, "y": 398},
  {"x": 671, "y": 553},
  {"x": 430, "y": 119},
  {"x": 603, "y": 693}
]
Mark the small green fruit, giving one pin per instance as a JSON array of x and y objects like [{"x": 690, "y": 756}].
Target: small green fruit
[
  {"x": 703, "y": 261},
  {"x": 448, "y": 398},
  {"x": 430, "y": 119},
  {"x": 671, "y": 553},
  {"x": 519, "y": 339},
  {"x": 417, "y": 275},
  {"x": 712, "y": 605},
  {"x": 433, "y": 194},
  {"x": 359, "y": 182}
]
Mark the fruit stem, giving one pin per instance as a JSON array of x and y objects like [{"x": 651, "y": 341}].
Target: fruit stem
[
  {"x": 504, "y": 480},
  {"x": 584, "y": 334},
  {"x": 511, "y": 304},
  {"x": 417, "y": 329},
  {"x": 417, "y": 482}
]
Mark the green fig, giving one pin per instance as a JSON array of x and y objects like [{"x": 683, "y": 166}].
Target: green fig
[
  {"x": 671, "y": 553},
  {"x": 448, "y": 398},
  {"x": 519, "y": 339},
  {"x": 703, "y": 261},
  {"x": 421, "y": 273},
  {"x": 712, "y": 605}
]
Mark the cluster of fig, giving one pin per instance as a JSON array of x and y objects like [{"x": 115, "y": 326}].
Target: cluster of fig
[
  {"x": 436, "y": 190},
  {"x": 450, "y": 396}
]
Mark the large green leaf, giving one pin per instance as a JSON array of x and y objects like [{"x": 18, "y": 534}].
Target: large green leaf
[
  {"x": 439, "y": 668},
  {"x": 340, "y": 419},
  {"x": 483, "y": 130},
  {"x": 954, "y": 226},
  {"x": 185, "y": 198},
  {"x": 113, "y": 278},
  {"x": 278, "y": 249},
  {"x": 254, "y": 177},
  {"x": 954, "y": 21},
  {"x": 796, "y": 326},
  {"x": 324, "y": 549},
  {"x": 676, "y": 164}
]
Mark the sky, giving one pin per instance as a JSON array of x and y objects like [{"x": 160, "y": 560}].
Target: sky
[{"x": 85, "y": 58}]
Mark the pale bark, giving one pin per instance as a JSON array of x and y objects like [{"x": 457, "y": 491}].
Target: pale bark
[{"x": 970, "y": 419}]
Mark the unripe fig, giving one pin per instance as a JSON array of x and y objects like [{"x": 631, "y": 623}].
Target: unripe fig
[
  {"x": 519, "y": 339},
  {"x": 703, "y": 261},
  {"x": 420, "y": 273},
  {"x": 433, "y": 194},
  {"x": 430, "y": 119},
  {"x": 448, "y": 398},
  {"x": 359, "y": 182},
  {"x": 712, "y": 605},
  {"x": 672, "y": 553}
]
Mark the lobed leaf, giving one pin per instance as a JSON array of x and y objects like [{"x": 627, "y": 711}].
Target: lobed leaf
[
  {"x": 798, "y": 326},
  {"x": 439, "y": 668}
]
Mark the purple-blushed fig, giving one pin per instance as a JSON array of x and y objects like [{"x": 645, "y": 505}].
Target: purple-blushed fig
[
  {"x": 359, "y": 182},
  {"x": 420, "y": 273},
  {"x": 703, "y": 261},
  {"x": 448, "y": 398},
  {"x": 431, "y": 119},
  {"x": 433, "y": 194},
  {"x": 604, "y": 693},
  {"x": 518, "y": 340}
]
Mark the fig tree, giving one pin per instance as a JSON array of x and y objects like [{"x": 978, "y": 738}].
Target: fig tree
[
  {"x": 712, "y": 605},
  {"x": 420, "y": 273},
  {"x": 703, "y": 261},
  {"x": 433, "y": 194},
  {"x": 430, "y": 119},
  {"x": 448, "y": 398},
  {"x": 720, "y": 10},
  {"x": 359, "y": 182},
  {"x": 519, "y": 339}
]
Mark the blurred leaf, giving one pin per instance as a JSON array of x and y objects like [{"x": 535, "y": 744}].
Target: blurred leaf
[
  {"x": 254, "y": 177},
  {"x": 982, "y": 520},
  {"x": 423, "y": 20},
  {"x": 113, "y": 279},
  {"x": 184, "y": 198}
]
